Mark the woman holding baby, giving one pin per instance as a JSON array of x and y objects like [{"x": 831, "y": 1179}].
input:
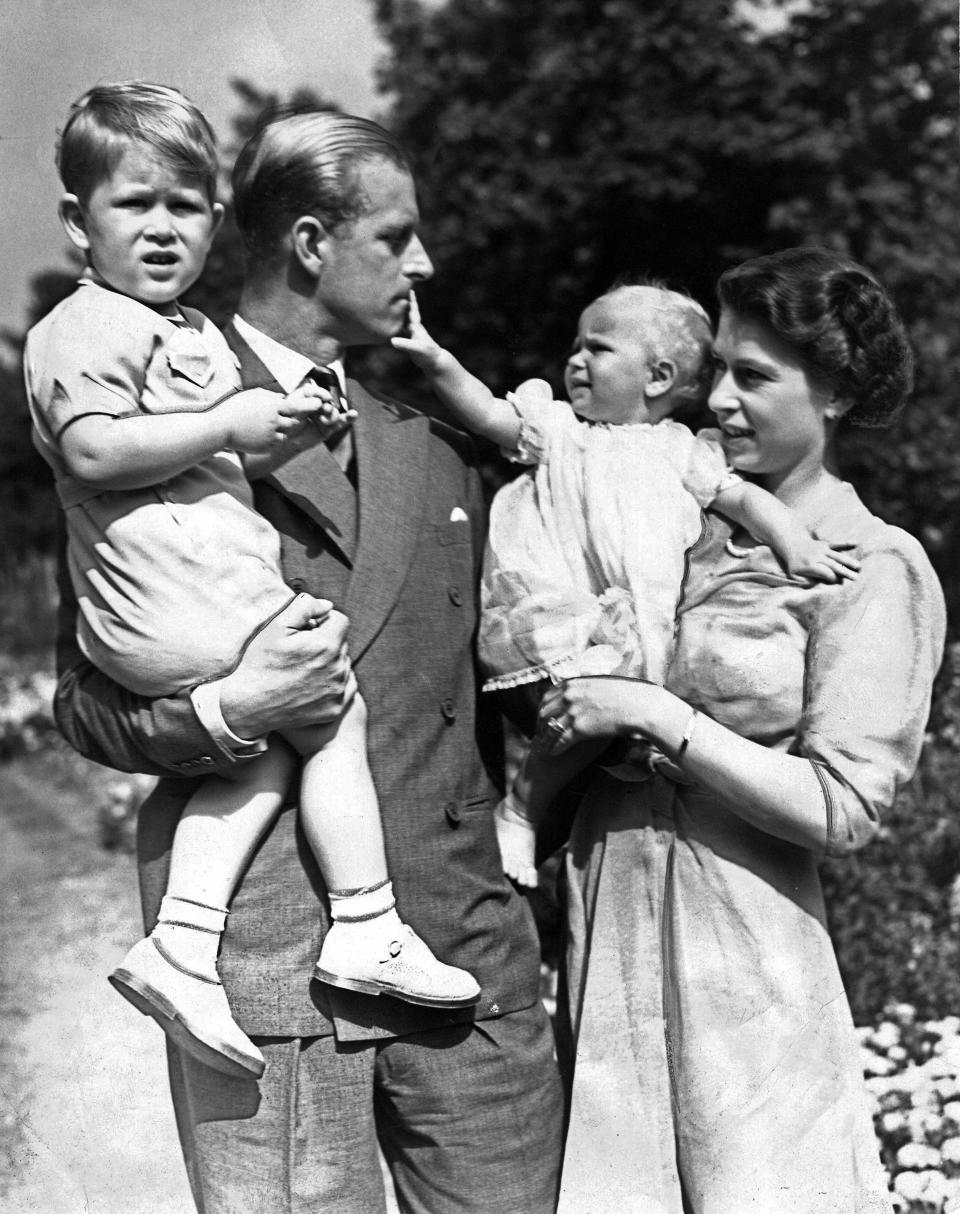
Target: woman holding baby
[{"x": 715, "y": 1066}]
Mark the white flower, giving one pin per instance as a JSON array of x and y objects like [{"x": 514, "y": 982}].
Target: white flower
[{"x": 918, "y": 1155}]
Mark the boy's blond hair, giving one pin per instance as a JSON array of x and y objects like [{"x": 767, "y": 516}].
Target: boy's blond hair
[
  {"x": 107, "y": 119},
  {"x": 673, "y": 326}
]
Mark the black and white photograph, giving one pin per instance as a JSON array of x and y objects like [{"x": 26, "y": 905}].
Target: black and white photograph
[{"x": 480, "y": 607}]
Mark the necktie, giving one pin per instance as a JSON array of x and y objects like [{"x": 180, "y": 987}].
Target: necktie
[
  {"x": 345, "y": 456},
  {"x": 328, "y": 379}
]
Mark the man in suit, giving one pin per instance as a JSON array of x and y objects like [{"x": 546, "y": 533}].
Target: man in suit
[{"x": 465, "y": 1105}]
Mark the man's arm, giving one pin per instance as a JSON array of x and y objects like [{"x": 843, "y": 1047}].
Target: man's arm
[{"x": 289, "y": 676}]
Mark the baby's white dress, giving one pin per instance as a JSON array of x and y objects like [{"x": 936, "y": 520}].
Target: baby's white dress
[{"x": 586, "y": 550}]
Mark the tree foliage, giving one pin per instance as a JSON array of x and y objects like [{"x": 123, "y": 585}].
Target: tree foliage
[{"x": 562, "y": 143}]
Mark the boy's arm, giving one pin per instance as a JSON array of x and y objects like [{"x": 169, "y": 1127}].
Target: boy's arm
[
  {"x": 470, "y": 400},
  {"x": 776, "y": 525},
  {"x": 141, "y": 449}
]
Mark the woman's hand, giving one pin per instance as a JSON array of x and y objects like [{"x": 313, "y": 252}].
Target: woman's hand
[{"x": 593, "y": 707}]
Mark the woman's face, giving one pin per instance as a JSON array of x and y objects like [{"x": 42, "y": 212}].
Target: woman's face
[{"x": 771, "y": 412}]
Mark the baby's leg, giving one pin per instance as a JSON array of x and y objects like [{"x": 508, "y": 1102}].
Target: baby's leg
[
  {"x": 540, "y": 777},
  {"x": 368, "y": 947},
  {"x": 172, "y": 975}
]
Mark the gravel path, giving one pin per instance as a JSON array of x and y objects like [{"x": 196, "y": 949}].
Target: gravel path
[{"x": 86, "y": 1125}]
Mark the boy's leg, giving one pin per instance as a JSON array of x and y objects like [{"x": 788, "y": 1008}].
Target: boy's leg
[
  {"x": 172, "y": 975},
  {"x": 368, "y": 948},
  {"x": 470, "y": 1117}
]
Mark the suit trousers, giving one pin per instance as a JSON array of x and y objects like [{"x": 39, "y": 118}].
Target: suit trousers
[{"x": 468, "y": 1118}]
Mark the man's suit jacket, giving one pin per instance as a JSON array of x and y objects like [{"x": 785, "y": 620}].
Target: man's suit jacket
[{"x": 400, "y": 556}]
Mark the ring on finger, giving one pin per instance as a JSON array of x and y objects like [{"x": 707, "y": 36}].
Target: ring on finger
[{"x": 555, "y": 726}]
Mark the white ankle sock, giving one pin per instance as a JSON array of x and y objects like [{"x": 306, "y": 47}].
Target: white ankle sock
[{"x": 190, "y": 931}]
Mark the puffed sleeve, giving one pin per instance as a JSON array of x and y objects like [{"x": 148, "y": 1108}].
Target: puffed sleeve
[
  {"x": 872, "y": 654},
  {"x": 542, "y": 420},
  {"x": 92, "y": 358},
  {"x": 705, "y": 472}
]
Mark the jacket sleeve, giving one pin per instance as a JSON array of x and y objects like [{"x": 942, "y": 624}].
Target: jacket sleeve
[{"x": 872, "y": 655}]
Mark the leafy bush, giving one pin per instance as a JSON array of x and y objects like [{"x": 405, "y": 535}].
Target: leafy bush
[{"x": 894, "y": 908}]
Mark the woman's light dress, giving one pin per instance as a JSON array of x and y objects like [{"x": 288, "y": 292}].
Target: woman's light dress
[
  {"x": 713, "y": 1036},
  {"x": 585, "y": 553}
]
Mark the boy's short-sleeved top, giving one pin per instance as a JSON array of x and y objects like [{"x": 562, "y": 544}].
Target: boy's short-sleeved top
[
  {"x": 586, "y": 552},
  {"x": 173, "y": 578}
]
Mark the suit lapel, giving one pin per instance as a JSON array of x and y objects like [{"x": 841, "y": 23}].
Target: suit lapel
[
  {"x": 313, "y": 480},
  {"x": 392, "y": 466}
]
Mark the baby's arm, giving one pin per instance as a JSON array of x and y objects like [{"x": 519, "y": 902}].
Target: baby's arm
[
  {"x": 143, "y": 449},
  {"x": 471, "y": 402},
  {"x": 775, "y": 524}
]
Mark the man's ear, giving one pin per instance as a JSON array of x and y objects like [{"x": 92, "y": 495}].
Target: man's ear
[
  {"x": 74, "y": 221},
  {"x": 663, "y": 375},
  {"x": 218, "y": 213},
  {"x": 308, "y": 239}
]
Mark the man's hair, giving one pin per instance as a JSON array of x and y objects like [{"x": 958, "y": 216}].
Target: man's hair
[
  {"x": 305, "y": 164},
  {"x": 106, "y": 120},
  {"x": 678, "y": 329}
]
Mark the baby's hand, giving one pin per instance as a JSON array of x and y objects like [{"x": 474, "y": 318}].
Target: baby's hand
[
  {"x": 418, "y": 343},
  {"x": 313, "y": 404},
  {"x": 822, "y": 561}
]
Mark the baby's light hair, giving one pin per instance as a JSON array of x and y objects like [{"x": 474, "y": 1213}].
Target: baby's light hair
[
  {"x": 674, "y": 327},
  {"x": 107, "y": 119}
]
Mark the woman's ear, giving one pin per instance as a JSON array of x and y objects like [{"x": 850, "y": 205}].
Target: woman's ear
[
  {"x": 663, "y": 375},
  {"x": 836, "y": 406},
  {"x": 308, "y": 238},
  {"x": 73, "y": 220}
]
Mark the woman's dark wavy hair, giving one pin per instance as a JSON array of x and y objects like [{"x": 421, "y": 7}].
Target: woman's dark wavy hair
[{"x": 840, "y": 321}]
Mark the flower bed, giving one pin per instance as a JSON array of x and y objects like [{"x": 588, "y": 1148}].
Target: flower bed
[
  {"x": 26, "y": 712},
  {"x": 912, "y": 1070}
]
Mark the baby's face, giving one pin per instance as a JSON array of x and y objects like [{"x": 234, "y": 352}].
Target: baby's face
[
  {"x": 608, "y": 370},
  {"x": 147, "y": 228}
]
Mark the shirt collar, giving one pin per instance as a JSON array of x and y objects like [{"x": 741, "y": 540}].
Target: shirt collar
[{"x": 287, "y": 367}]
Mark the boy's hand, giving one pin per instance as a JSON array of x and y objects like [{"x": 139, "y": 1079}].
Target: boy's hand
[
  {"x": 311, "y": 403},
  {"x": 418, "y": 343},
  {"x": 823, "y": 562},
  {"x": 257, "y": 419}
]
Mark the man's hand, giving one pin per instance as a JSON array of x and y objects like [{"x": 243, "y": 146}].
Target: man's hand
[{"x": 295, "y": 672}]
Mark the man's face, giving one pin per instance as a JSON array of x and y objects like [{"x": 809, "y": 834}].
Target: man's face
[{"x": 371, "y": 263}]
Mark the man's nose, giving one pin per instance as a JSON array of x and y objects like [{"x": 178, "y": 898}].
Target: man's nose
[{"x": 418, "y": 267}]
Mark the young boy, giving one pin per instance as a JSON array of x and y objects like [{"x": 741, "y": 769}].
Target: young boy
[
  {"x": 137, "y": 408},
  {"x": 586, "y": 555}
]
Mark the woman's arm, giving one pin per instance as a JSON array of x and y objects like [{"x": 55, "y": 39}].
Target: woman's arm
[
  {"x": 872, "y": 653},
  {"x": 777, "y": 793},
  {"x": 141, "y": 449},
  {"x": 470, "y": 401}
]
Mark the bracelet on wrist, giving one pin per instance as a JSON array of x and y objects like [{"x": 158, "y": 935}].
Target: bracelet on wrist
[{"x": 687, "y": 735}]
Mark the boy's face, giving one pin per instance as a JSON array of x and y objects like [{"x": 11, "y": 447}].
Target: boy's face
[
  {"x": 146, "y": 229},
  {"x": 608, "y": 371}
]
